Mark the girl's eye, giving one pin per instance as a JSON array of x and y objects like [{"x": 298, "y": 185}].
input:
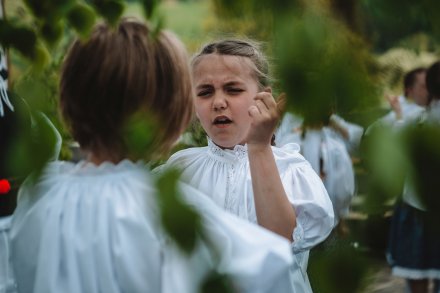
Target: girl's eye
[
  {"x": 204, "y": 93},
  {"x": 235, "y": 91}
]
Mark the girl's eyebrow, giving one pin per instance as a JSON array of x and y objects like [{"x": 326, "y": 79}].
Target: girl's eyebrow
[
  {"x": 233, "y": 83},
  {"x": 204, "y": 86}
]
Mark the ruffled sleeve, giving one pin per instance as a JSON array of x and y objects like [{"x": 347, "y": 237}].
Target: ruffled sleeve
[
  {"x": 257, "y": 259},
  {"x": 307, "y": 194}
]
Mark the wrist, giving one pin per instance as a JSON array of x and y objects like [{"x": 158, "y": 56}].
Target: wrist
[{"x": 258, "y": 147}]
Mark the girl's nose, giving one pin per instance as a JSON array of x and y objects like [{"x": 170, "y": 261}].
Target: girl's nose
[{"x": 219, "y": 103}]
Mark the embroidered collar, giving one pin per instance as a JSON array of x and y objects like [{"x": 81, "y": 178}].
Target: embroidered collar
[{"x": 238, "y": 153}]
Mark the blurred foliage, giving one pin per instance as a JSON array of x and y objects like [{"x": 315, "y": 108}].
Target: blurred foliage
[
  {"x": 337, "y": 267},
  {"x": 385, "y": 157},
  {"x": 139, "y": 136},
  {"x": 424, "y": 155},
  {"x": 217, "y": 283},
  {"x": 326, "y": 59},
  {"x": 386, "y": 23},
  {"x": 179, "y": 220},
  {"x": 313, "y": 51}
]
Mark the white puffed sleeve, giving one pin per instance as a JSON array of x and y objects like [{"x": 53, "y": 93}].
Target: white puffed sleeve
[
  {"x": 307, "y": 194},
  {"x": 256, "y": 259}
]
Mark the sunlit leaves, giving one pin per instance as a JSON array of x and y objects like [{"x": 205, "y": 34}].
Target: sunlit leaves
[{"x": 180, "y": 221}]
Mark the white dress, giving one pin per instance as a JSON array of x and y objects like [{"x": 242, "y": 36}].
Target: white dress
[
  {"x": 327, "y": 153},
  {"x": 290, "y": 126},
  {"x": 7, "y": 281},
  {"x": 87, "y": 228},
  {"x": 224, "y": 175}
]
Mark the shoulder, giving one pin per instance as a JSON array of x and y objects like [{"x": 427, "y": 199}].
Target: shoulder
[
  {"x": 288, "y": 155},
  {"x": 106, "y": 187},
  {"x": 186, "y": 156}
]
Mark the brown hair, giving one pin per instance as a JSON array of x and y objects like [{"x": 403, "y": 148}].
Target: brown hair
[
  {"x": 433, "y": 81},
  {"x": 241, "y": 48},
  {"x": 118, "y": 72},
  {"x": 410, "y": 78}
]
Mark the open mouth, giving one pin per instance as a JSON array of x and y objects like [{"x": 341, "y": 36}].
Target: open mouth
[{"x": 222, "y": 120}]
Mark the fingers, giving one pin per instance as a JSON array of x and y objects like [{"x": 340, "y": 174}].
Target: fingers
[{"x": 266, "y": 103}]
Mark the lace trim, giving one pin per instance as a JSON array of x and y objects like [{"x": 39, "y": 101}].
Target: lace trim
[
  {"x": 239, "y": 151},
  {"x": 298, "y": 236}
]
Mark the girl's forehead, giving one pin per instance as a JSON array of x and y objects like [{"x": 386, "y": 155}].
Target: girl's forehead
[{"x": 216, "y": 64}]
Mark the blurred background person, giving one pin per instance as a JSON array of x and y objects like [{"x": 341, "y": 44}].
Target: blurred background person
[{"x": 414, "y": 243}]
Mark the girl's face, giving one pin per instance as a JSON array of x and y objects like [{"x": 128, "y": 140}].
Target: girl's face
[{"x": 225, "y": 89}]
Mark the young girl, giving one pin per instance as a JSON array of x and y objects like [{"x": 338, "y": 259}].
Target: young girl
[
  {"x": 239, "y": 169},
  {"x": 95, "y": 226},
  {"x": 414, "y": 240}
]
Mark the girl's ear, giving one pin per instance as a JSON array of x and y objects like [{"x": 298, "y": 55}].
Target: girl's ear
[{"x": 268, "y": 89}]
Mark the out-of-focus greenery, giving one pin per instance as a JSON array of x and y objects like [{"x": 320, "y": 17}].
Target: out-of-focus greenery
[{"x": 328, "y": 55}]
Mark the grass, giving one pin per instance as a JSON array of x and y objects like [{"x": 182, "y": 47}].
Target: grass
[{"x": 186, "y": 18}]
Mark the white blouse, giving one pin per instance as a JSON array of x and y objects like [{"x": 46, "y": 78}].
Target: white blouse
[
  {"x": 224, "y": 175},
  {"x": 87, "y": 228}
]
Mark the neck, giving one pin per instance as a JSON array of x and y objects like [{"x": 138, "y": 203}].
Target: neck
[{"x": 99, "y": 158}]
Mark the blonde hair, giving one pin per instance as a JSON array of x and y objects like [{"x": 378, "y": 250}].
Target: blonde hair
[{"x": 118, "y": 72}]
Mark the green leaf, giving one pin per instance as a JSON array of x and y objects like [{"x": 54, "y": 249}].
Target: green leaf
[
  {"x": 217, "y": 283},
  {"x": 111, "y": 10},
  {"x": 82, "y": 18},
  {"x": 139, "y": 135},
  {"x": 180, "y": 221},
  {"x": 52, "y": 32},
  {"x": 150, "y": 7},
  {"x": 36, "y": 144}
]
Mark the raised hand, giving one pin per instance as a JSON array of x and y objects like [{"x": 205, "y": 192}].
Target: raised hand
[{"x": 265, "y": 114}]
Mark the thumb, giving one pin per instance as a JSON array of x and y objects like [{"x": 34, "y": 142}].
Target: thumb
[{"x": 281, "y": 103}]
